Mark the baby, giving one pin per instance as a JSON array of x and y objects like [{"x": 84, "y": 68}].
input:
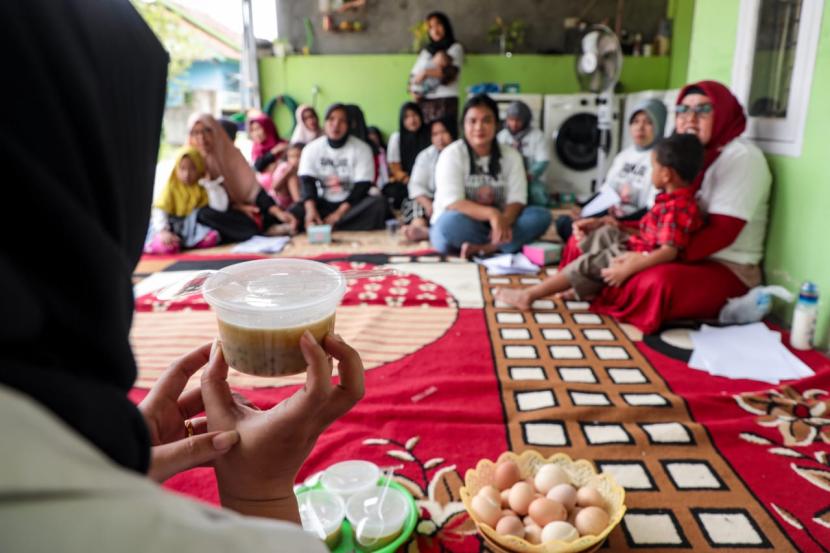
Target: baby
[
  {"x": 440, "y": 60},
  {"x": 284, "y": 184},
  {"x": 610, "y": 255}
]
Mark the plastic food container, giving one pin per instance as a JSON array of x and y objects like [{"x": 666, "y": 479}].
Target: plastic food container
[
  {"x": 350, "y": 477},
  {"x": 263, "y": 307},
  {"x": 321, "y": 514},
  {"x": 377, "y": 516}
]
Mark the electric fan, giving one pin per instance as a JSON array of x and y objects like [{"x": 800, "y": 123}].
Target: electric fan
[{"x": 598, "y": 66}]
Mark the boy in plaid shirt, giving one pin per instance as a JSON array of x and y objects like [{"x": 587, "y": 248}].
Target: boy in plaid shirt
[{"x": 612, "y": 255}]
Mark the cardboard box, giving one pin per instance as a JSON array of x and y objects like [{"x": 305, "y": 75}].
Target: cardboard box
[{"x": 543, "y": 253}]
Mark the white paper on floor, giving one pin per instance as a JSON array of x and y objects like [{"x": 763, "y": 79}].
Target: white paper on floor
[
  {"x": 262, "y": 244},
  {"x": 508, "y": 264},
  {"x": 750, "y": 351}
]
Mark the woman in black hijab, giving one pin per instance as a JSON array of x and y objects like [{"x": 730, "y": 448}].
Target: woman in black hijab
[
  {"x": 439, "y": 101},
  {"x": 75, "y": 447},
  {"x": 404, "y": 146}
]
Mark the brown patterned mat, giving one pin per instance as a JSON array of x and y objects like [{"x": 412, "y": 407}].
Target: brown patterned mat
[{"x": 572, "y": 380}]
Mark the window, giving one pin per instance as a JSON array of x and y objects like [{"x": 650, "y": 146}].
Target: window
[{"x": 773, "y": 69}]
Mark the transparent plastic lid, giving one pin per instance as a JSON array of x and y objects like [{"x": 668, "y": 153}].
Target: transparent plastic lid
[
  {"x": 377, "y": 514},
  {"x": 268, "y": 285},
  {"x": 349, "y": 477},
  {"x": 321, "y": 512}
]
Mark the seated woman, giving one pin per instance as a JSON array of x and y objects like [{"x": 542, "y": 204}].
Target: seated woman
[
  {"x": 252, "y": 211},
  {"x": 173, "y": 224},
  {"x": 336, "y": 171},
  {"x": 417, "y": 208},
  {"x": 629, "y": 175},
  {"x": 267, "y": 148},
  {"x": 534, "y": 147},
  {"x": 404, "y": 145},
  {"x": 79, "y": 457},
  {"x": 481, "y": 191},
  {"x": 307, "y": 126},
  {"x": 733, "y": 190}
]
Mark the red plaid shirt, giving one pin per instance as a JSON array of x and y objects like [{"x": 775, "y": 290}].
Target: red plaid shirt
[{"x": 671, "y": 222}]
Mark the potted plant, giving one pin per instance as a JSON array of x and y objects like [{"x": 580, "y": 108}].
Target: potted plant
[{"x": 507, "y": 34}]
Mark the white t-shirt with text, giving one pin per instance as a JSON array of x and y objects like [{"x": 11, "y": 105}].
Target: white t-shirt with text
[
  {"x": 454, "y": 182},
  {"x": 738, "y": 184},
  {"x": 337, "y": 169},
  {"x": 630, "y": 177}
]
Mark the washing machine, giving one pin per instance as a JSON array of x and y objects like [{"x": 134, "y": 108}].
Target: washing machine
[
  {"x": 534, "y": 101},
  {"x": 570, "y": 121},
  {"x": 668, "y": 97}
]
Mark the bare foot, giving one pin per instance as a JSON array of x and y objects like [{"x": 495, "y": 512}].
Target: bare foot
[
  {"x": 278, "y": 229},
  {"x": 416, "y": 233},
  {"x": 567, "y": 295},
  {"x": 468, "y": 250},
  {"x": 515, "y": 297}
]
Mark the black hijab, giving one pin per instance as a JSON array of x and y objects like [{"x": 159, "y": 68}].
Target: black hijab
[
  {"x": 412, "y": 142},
  {"x": 96, "y": 73},
  {"x": 342, "y": 140},
  {"x": 449, "y": 37}
]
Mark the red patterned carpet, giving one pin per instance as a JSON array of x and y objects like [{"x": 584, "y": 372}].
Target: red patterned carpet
[{"x": 708, "y": 464}]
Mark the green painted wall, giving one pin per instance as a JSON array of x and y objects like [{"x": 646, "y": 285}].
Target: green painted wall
[
  {"x": 378, "y": 82},
  {"x": 681, "y": 12},
  {"x": 797, "y": 247}
]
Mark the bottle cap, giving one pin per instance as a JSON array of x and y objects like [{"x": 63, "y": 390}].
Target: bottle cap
[{"x": 808, "y": 292}]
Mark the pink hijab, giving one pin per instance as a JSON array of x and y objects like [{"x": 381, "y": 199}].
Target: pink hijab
[
  {"x": 223, "y": 158},
  {"x": 272, "y": 137}
]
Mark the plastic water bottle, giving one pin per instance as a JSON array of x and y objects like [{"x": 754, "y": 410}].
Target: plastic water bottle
[{"x": 804, "y": 317}]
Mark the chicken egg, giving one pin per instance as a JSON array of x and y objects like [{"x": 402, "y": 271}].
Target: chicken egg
[
  {"x": 591, "y": 521},
  {"x": 549, "y": 476},
  {"x": 510, "y": 525},
  {"x": 587, "y": 497},
  {"x": 559, "y": 530},
  {"x": 491, "y": 493},
  {"x": 521, "y": 494},
  {"x": 564, "y": 494},
  {"x": 544, "y": 511},
  {"x": 506, "y": 474},
  {"x": 533, "y": 533},
  {"x": 486, "y": 510}
]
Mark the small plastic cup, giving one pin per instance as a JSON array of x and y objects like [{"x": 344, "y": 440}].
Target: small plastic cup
[
  {"x": 322, "y": 514},
  {"x": 377, "y": 516},
  {"x": 392, "y": 227},
  {"x": 350, "y": 477},
  {"x": 263, "y": 307}
]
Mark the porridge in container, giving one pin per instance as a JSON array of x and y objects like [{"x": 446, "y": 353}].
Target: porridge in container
[{"x": 263, "y": 307}]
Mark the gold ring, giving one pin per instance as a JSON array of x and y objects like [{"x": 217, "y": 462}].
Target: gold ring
[{"x": 188, "y": 427}]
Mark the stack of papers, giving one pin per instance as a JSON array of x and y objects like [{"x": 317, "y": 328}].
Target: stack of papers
[
  {"x": 262, "y": 244},
  {"x": 749, "y": 351},
  {"x": 508, "y": 264},
  {"x": 606, "y": 199}
]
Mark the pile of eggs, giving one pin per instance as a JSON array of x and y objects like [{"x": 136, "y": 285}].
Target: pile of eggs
[{"x": 542, "y": 508}]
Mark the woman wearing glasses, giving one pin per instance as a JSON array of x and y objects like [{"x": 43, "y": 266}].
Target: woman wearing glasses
[{"x": 733, "y": 190}]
